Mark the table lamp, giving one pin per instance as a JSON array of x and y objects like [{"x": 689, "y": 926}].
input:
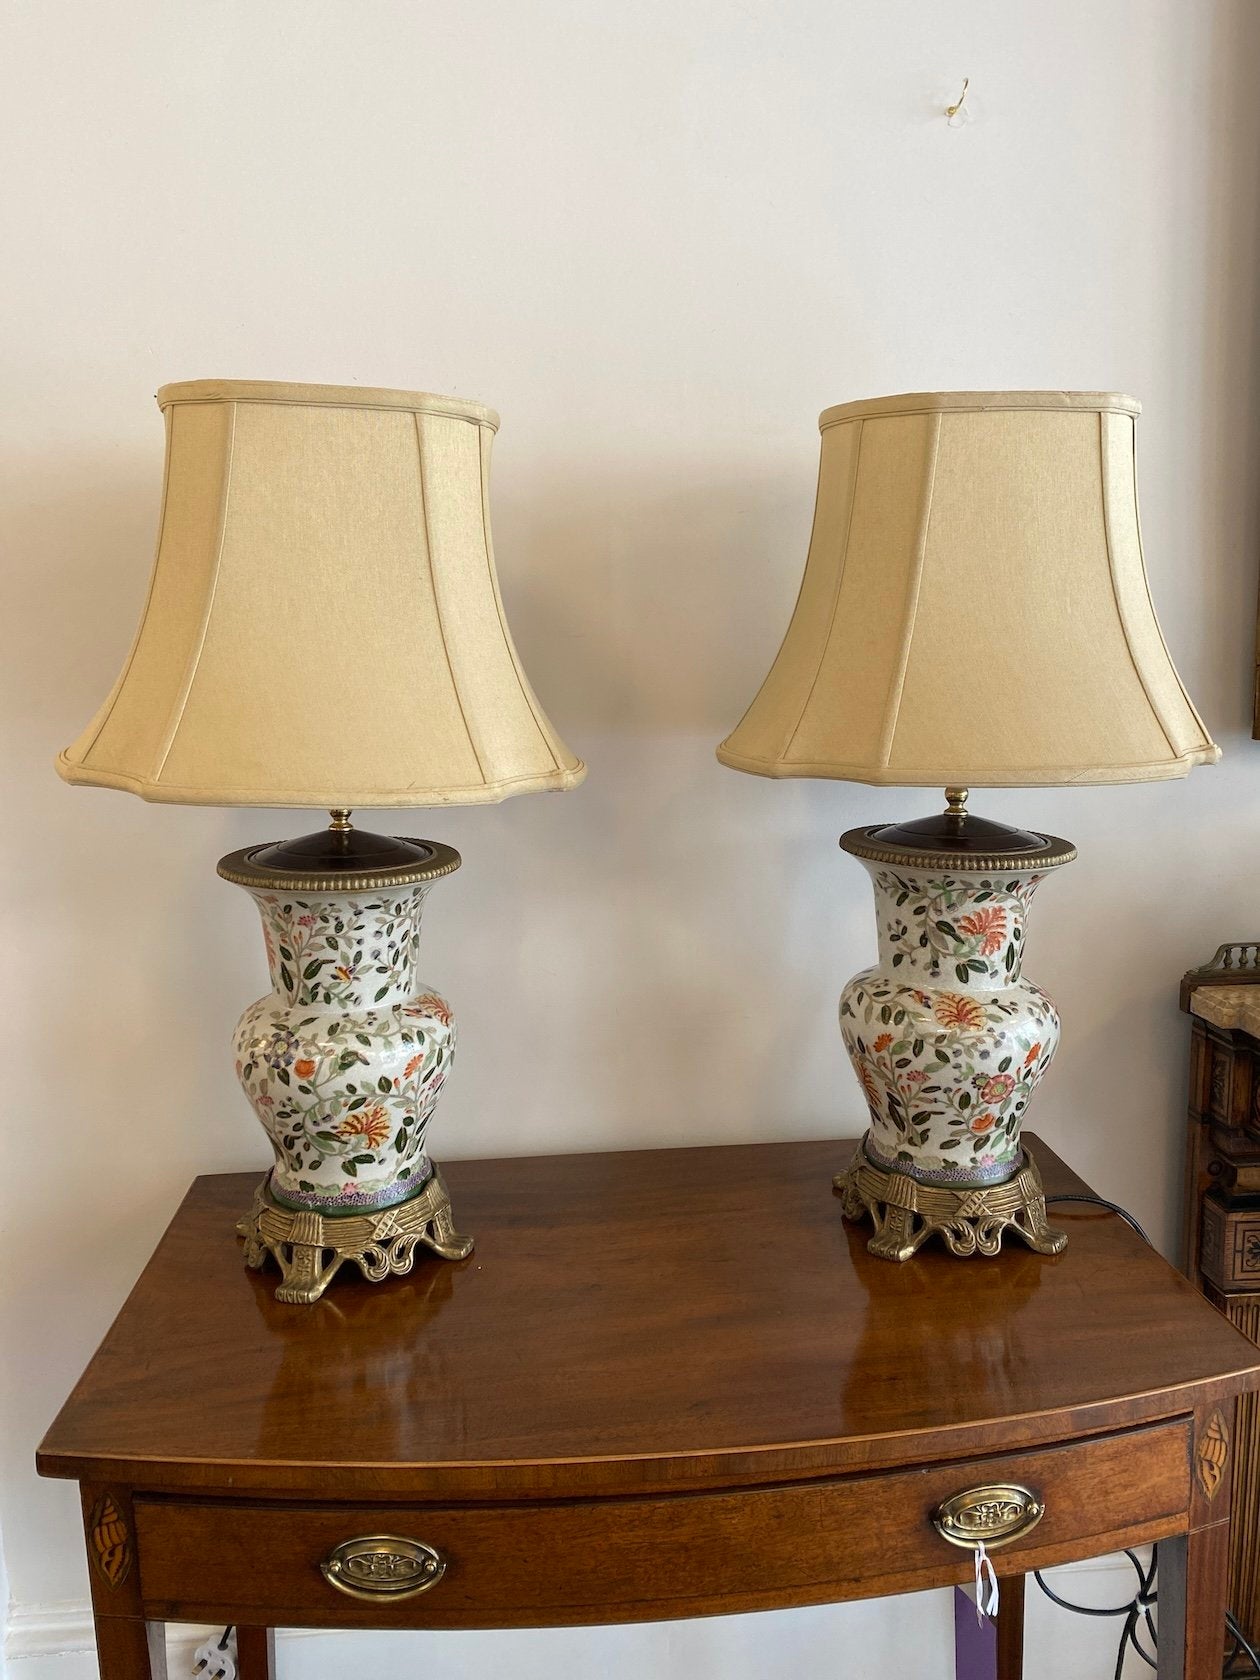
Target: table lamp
[
  {"x": 324, "y": 628},
  {"x": 974, "y": 613}
]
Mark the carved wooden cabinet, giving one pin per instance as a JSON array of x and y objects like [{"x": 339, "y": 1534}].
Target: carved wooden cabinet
[{"x": 1222, "y": 1212}]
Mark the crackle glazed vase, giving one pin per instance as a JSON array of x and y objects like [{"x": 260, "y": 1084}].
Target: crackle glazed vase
[
  {"x": 947, "y": 1037},
  {"x": 344, "y": 1059}
]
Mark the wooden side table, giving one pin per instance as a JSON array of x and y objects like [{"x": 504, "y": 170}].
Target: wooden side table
[{"x": 669, "y": 1383}]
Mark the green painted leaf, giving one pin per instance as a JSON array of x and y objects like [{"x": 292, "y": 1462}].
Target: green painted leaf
[{"x": 383, "y": 1084}]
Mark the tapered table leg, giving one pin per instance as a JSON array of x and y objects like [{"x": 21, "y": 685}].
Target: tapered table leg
[
  {"x": 1194, "y": 1568},
  {"x": 255, "y": 1653},
  {"x": 1193, "y": 1578},
  {"x": 129, "y": 1649},
  {"x": 127, "y": 1646},
  {"x": 1010, "y": 1629}
]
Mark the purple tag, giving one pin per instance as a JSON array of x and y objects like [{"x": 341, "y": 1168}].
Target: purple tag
[{"x": 975, "y": 1643}]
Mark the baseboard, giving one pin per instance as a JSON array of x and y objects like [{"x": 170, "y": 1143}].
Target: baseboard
[
  {"x": 48, "y": 1630},
  {"x": 64, "y": 1629}
]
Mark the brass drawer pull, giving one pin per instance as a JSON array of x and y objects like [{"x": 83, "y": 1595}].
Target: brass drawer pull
[
  {"x": 993, "y": 1515},
  {"x": 383, "y": 1566}
]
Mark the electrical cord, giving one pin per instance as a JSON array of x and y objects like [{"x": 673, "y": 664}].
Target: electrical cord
[
  {"x": 1137, "y": 1612},
  {"x": 1111, "y": 1207}
]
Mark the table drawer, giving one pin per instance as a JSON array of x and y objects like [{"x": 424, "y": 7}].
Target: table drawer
[{"x": 606, "y": 1560}]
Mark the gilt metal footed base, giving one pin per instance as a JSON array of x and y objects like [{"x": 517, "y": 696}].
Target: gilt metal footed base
[
  {"x": 309, "y": 1248},
  {"x": 906, "y": 1213}
]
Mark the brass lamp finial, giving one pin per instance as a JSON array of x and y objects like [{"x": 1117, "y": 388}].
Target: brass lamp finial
[{"x": 956, "y": 805}]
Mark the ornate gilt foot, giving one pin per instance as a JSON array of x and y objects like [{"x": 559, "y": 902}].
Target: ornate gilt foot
[
  {"x": 906, "y": 1214},
  {"x": 309, "y": 1249}
]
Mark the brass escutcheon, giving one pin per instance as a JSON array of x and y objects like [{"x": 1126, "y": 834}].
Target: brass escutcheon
[
  {"x": 377, "y": 1566},
  {"x": 994, "y": 1515}
]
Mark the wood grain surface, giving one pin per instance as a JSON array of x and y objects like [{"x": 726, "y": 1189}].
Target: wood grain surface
[{"x": 639, "y": 1322}]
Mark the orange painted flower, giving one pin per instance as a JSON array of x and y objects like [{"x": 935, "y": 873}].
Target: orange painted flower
[
  {"x": 996, "y": 1088},
  {"x": 952, "y": 1009},
  {"x": 1032, "y": 1055},
  {"x": 413, "y": 1064},
  {"x": 370, "y": 1124},
  {"x": 983, "y": 1122},
  {"x": 870, "y": 1085},
  {"x": 304, "y": 1069},
  {"x": 883, "y": 1041},
  {"x": 988, "y": 926},
  {"x": 433, "y": 1006}
]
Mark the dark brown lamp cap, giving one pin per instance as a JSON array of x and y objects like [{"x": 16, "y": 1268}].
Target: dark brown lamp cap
[{"x": 339, "y": 860}]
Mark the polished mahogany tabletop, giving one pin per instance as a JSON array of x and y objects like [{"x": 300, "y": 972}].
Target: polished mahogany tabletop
[{"x": 656, "y": 1320}]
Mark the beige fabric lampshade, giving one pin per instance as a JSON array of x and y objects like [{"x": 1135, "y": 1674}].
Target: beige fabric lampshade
[
  {"x": 323, "y": 624},
  {"x": 975, "y": 608}
]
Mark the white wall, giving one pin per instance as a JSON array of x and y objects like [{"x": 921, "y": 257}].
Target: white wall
[{"x": 659, "y": 237}]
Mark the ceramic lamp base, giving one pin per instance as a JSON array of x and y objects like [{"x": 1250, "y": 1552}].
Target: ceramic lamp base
[
  {"x": 345, "y": 1058},
  {"x": 969, "y": 1221},
  {"x": 309, "y": 1248}
]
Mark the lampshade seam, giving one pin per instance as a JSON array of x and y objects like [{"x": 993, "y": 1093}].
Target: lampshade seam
[
  {"x": 1164, "y": 769},
  {"x": 896, "y": 687},
  {"x": 447, "y": 408},
  {"x": 522, "y": 681},
  {"x": 386, "y": 799},
  {"x": 835, "y": 600},
  {"x": 437, "y": 600},
  {"x": 1104, "y": 455},
  {"x": 946, "y": 402},
  {"x": 107, "y": 710},
  {"x": 191, "y": 672}
]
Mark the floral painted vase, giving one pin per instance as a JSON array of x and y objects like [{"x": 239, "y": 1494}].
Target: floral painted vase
[
  {"x": 345, "y": 1057},
  {"x": 948, "y": 1039}
]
